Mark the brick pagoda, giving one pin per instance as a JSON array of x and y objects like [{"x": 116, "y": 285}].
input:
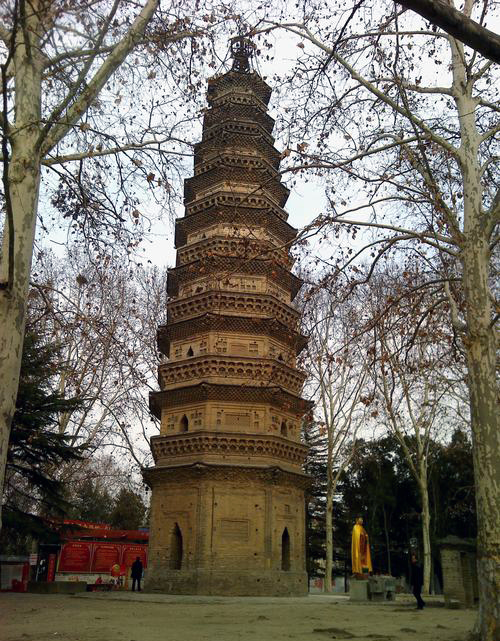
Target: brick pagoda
[{"x": 227, "y": 511}]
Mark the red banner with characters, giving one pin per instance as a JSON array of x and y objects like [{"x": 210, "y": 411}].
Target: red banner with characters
[
  {"x": 100, "y": 557},
  {"x": 75, "y": 557},
  {"x": 131, "y": 552},
  {"x": 51, "y": 568},
  {"x": 105, "y": 556}
]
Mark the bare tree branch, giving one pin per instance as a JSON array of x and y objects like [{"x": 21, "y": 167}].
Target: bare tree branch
[
  {"x": 108, "y": 67},
  {"x": 454, "y": 22}
]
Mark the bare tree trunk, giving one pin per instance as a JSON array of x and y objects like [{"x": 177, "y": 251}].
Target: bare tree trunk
[
  {"x": 480, "y": 343},
  {"x": 387, "y": 545},
  {"x": 24, "y": 183},
  {"x": 481, "y": 361},
  {"x": 330, "y": 489},
  {"x": 426, "y": 526}
]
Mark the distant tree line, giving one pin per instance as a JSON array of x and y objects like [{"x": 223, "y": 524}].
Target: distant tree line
[{"x": 378, "y": 485}]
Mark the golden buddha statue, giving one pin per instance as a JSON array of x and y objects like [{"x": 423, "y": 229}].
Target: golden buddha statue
[{"x": 360, "y": 550}]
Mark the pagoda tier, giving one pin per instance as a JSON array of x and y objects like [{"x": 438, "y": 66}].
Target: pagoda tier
[
  {"x": 281, "y": 340},
  {"x": 230, "y": 219},
  {"x": 245, "y": 174},
  {"x": 251, "y": 141},
  {"x": 227, "y": 511},
  {"x": 239, "y": 304},
  {"x": 223, "y": 369},
  {"x": 274, "y": 397},
  {"x": 223, "y": 246},
  {"x": 239, "y": 89},
  {"x": 231, "y": 198},
  {"x": 224, "y": 110},
  {"x": 222, "y": 270}
]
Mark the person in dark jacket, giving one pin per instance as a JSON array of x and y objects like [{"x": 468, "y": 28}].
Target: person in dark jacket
[
  {"x": 136, "y": 573},
  {"x": 416, "y": 581}
]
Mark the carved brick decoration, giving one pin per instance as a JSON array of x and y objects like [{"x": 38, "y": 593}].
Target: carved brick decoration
[
  {"x": 219, "y": 324},
  {"x": 242, "y": 247},
  {"x": 248, "y": 371},
  {"x": 227, "y": 508},
  {"x": 226, "y": 445},
  {"x": 250, "y": 219},
  {"x": 217, "y": 301},
  {"x": 204, "y": 392},
  {"x": 227, "y": 266}
]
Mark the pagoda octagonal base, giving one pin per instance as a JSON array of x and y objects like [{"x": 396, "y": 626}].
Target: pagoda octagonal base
[
  {"x": 227, "y": 583},
  {"x": 226, "y": 530}
]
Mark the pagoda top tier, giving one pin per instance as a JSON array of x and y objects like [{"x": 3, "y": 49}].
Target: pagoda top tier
[
  {"x": 239, "y": 83},
  {"x": 241, "y": 79}
]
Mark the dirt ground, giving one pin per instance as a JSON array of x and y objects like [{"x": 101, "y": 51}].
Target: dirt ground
[{"x": 148, "y": 617}]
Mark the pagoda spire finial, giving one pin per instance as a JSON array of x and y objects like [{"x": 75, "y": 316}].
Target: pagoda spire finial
[{"x": 242, "y": 49}]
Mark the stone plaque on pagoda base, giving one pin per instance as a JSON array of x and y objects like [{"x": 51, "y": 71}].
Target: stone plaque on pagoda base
[{"x": 227, "y": 506}]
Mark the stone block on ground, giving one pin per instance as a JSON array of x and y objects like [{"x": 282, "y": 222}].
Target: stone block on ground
[
  {"x": 358, "y": 590},
  {"x": 56, "y": 587}
]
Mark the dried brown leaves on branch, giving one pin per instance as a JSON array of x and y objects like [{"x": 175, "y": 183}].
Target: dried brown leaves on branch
[{"x": 104, "y": 316}]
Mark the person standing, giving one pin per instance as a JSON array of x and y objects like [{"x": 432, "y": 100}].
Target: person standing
[
  {"x": 416, "y": 581},
  {"x": 136, "y": 574}
]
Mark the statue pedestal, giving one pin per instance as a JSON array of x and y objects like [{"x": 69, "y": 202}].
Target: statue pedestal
[
  {"x": 382, "y": 588},
  {"x": 373, "y": 588},
  {"x": 358, "y": 590}
]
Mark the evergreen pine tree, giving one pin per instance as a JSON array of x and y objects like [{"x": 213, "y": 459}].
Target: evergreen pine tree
[
  {"x": 32, "y": 489},
  {"x": 315, "y": 467},
  {"x": 91, "y": 501},
  {"x": 128, "y": 511}
]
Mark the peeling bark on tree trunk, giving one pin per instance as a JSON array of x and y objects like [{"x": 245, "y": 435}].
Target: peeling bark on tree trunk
[
  {"x": 24, "y": 181},
  {"x": 481, "y": 360},
  {"x": 480, "y": 343}
]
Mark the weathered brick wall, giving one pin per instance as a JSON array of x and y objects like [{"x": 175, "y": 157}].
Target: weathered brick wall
[
  {"x": 459, "y": 574},
  {"x": 452, "y": 575},
  {"x": 232, "y": 539}
]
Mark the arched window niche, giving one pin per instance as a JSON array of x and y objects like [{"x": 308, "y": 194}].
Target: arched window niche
[
  {"x": 176, "y": 548},
  {"x": 285, "y": 550},
  {"x": 184, "y": 425},
  {"x": 284, "y": 429}
]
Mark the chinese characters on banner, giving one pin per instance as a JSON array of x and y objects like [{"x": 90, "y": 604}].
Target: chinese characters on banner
[
  {"x": 51, "y": 568},
  {"x": 75, "y": 557},
  {"x": 82, "y": 556}
]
